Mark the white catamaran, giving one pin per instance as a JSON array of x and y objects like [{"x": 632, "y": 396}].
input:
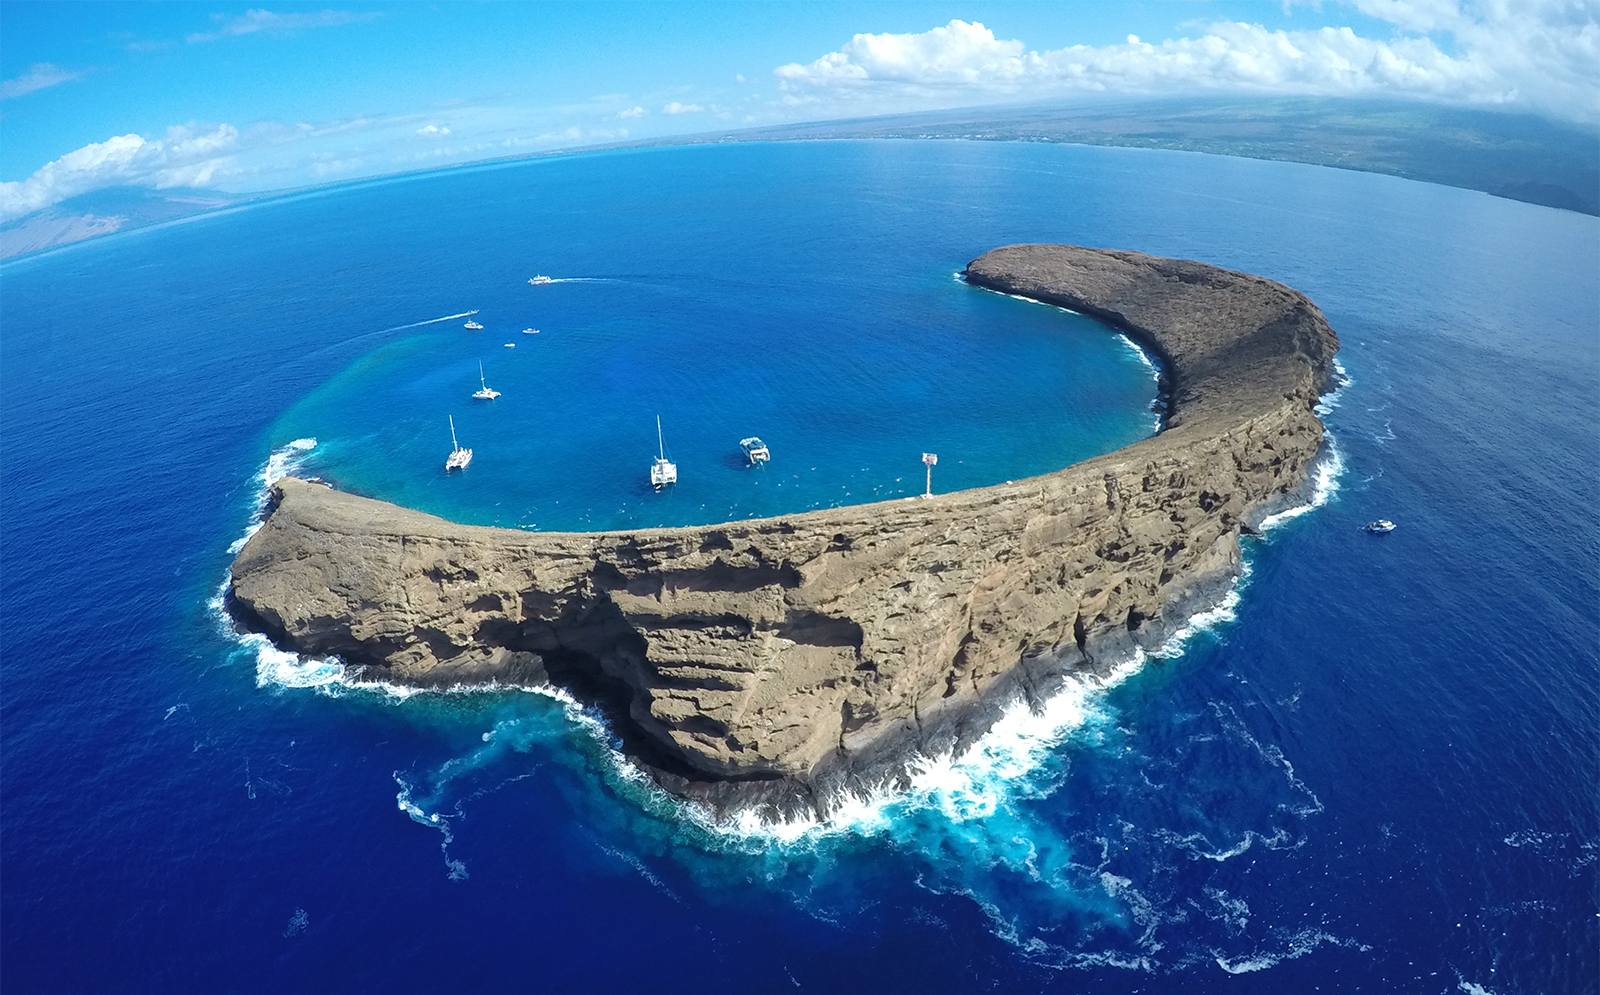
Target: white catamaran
[
  {"x": 486, "y": 392},
  {"x": 459, "y": 457},
  {"x": 662, "y": 472},
  {"x": 755, "y": 450}
]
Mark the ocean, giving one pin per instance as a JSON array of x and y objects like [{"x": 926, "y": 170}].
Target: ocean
[{"x": 1372, "y": 769}]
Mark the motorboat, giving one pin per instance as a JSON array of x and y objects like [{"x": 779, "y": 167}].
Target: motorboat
[
  {"x": 755, "y": 450},
  {"x": 540, "y": 280},
  {"x": 1381, "y": 525},
  {"x": 662, "y": 472},
  {"x": 459, "y": 457},
  {"x": 471, "y": 326},
  {"x": 485, "y": 392},
  {"x": 530, "y": 331},
  {"x": 511, "y": 345}
]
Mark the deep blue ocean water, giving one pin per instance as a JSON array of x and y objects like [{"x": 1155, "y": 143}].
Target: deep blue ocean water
[{"x": 1376, "y": 771}]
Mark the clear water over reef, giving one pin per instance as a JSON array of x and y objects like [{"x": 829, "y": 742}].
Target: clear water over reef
[
  {"x": 836, "y": 331},
  {"x": 1373, "y": 773}
]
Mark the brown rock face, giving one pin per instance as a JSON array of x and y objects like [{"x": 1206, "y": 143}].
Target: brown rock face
[{"x": 778, "y": 661}]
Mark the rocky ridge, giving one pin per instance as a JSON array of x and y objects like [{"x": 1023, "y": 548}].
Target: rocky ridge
[{"x": 778, "y": 662}]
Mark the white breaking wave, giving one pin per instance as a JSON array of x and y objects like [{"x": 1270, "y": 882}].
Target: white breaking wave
[
  {"x": 1328, "y": 467},
  {"x": 963, "y": 787},
  {"x": 1326, "y": 471},
  {"x": 1299, "y": 944}
]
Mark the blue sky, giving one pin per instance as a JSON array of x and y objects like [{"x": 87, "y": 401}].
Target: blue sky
[{"x": 245, "y": 98}]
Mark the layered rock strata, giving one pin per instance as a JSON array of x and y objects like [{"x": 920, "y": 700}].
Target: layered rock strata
[{"x": 776, "y": 662}]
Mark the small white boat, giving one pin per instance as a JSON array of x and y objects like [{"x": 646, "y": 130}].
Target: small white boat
[
  {"x": 459, "y": 457},
  {"x": 486, "y": 392},
  {"x": 540, "y": 280},
  {"x": 472, "y": 325},
  {"x": 755, "y": 450},
  {"x": 1381, "y": 525},
  {"x": 530, "y": 331},
  {"x": 511, "y": 345},
  {"x": 662, "y": 472}
]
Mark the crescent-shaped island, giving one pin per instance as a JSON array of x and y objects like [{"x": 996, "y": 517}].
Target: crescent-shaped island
[{"x": 778, "y": 663}]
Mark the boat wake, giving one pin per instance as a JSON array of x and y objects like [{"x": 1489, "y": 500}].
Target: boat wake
[{"x": 430, "y": 321}]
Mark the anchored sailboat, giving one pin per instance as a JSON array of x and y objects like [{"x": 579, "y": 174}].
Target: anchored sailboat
[
  {"x": 662, "y": 472},
  {"x": 487, "y": 393},
  {"x": 459, "y": 457}
]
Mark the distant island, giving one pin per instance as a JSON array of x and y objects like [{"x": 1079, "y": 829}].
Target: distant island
[
  {"x": 775, "y": 664},
  {"x": 1517, "y": 156}
]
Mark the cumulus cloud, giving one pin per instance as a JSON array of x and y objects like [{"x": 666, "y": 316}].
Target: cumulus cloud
[
  {"x": 39, "y": 76},
  {"x": 187, "y": 156},
  {"x": 433, "y": 131},
  {"x": 256, "y": 21},
  {"x": 631, "y": 112},
  {"x": 1541, "y": 56},
  {"x": 677, "y": 108}
]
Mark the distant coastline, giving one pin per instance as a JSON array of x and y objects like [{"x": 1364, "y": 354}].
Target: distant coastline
[{"x": 1514, "y": 156}]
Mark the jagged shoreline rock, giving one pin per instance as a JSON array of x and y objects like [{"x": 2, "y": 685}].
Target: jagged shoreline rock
[{"x": 775, "y": 663}]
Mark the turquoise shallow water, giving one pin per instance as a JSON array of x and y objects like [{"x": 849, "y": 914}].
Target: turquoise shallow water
[
  {"x": 727, "y": 311},
  {"x": 1374, "y": 773}
]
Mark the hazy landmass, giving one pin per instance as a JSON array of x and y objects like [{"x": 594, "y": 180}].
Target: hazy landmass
[
  {"x": 1517, "y": 156},
  {"x": 102, "y": 212}
]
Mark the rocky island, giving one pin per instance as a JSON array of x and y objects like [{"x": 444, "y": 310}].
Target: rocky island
[{"x": 776, "y": 663}]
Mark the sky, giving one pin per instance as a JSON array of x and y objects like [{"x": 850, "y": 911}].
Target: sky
[{"x": 244, "y": 98}]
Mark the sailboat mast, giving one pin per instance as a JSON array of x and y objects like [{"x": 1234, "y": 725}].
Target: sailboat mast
[
  {"x": 661, "y": 446},
  {"x": 453, "y": 443},
  {"x": 480, "y": 376}
]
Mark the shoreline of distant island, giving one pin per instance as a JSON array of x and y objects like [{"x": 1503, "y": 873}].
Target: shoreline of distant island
[{"x": 1513, "y": 156}]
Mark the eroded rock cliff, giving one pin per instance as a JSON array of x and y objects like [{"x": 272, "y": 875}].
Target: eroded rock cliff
[{"x": 777, "y": 661}]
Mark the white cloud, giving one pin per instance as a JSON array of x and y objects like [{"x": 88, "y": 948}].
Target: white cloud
[
  {"x": 631, "y": 112},
  {"x": 433, "y": 131},
  {"x": 335, "y": 167},
  {"x": 571, "y": 134},
  {"x": 185, "y": 157},
  {"x": 39, "y": 76},
  {"x": 255, "y": 21},
  {"x": 1543, "y": 57},
  {"x": 677, "y": 108}
]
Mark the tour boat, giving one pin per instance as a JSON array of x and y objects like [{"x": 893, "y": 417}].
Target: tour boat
[
  {"x": 459, "y": 457},
  {"x": 755, "y": 450},
  {"x": 472, "y": 325},
  {"x": 662, "y": 472},
  {"x": 540, "y": 280},
  {"x": 1381, "y": 525},
  {"x": 487, "y": 393},
  {"x": 530, "y": 331}
]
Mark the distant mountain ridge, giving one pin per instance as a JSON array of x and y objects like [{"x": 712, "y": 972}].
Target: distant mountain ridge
[
  {"x": 1516, "y": 156},
  {"x": 101, "y": 212}
]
